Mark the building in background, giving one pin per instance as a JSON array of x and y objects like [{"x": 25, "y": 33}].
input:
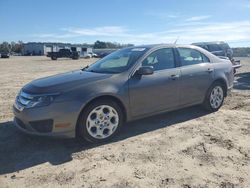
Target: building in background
[{"x": 40, "y": 48}]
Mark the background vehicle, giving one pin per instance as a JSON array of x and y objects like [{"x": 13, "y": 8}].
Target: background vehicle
[
  {"x": 104, "y": 53},
  {"x": 5, "y": 54},
  {"x": 128, "y": 84},
  {"x": 216, "y": 48},
  {"x": 93, "y": 54},
  {"x": 63, "y": 53},
  {"x": 220, "y": 49},
  {"x": 90, "y": 55}
]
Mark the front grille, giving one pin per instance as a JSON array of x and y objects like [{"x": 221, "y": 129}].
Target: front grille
[
  {"x": 20, "y": 123},
  {"x": 43, "y": 126}
]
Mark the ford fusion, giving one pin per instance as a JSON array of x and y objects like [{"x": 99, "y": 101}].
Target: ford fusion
[{"x": 93, "y": 103}]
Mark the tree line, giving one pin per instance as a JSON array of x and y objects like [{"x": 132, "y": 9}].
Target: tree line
[
  {"x": 111, "y": 45},
  {"x": 241, "y": 52},
  {"x": 11, "y": 47}
]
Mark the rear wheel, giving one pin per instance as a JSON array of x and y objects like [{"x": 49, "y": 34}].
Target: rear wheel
[
  {"x": 100, "y": 121},
  {"x": 215, "y": 97},
  {"x": 75, "y": 58}
]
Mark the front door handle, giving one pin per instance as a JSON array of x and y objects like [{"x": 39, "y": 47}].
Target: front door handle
[
  {"x": 209, "y": 70},
  {"x": 174, "y": 76}
]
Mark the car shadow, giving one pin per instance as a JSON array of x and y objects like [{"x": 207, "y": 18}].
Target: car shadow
[
  {"x": 19, "y": 151},
  {"x": 242, "y": 81}
]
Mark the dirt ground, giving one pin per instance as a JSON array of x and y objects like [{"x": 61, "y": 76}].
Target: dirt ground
[{"x": 188, "y": 148}]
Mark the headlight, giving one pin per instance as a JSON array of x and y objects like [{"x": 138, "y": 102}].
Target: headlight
[
  {"x": 29, "y": 100},
  {"x": 40, "y": 101}
]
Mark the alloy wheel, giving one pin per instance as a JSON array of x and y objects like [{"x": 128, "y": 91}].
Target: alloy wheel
[
  {"x": 216, "y": 97},
  {"x": 102, "y": 121}
]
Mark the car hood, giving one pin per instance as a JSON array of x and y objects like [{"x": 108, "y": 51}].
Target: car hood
[{"x": 63, "y": 82}]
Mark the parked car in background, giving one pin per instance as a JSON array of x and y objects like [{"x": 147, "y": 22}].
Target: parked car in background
[
  {"x": 87, "y": 56},
  {"x": 220, "y": 49},
  {"x": 103, "y": 54},
  {"x": 90, "y": 55},
  {"x": 63, "y": 53},
  {"x": 131, "y": 83},
  {"x": 216, "y": 48},
  {"x": 15, "y": 54},
  {"x": 5, "y": 54},
  {"x": 93, "y": 54}
]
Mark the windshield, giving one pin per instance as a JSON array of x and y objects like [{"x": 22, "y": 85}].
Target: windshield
[{"x": 118, "y": 61}]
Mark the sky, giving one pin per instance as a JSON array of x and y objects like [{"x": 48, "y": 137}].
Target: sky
[{"x": 126, "y": 21}]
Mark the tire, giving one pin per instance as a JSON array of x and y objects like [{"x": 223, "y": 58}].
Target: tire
[
  {"x": 88, "y": 127},
  {"x": 75, "y": 57},
  {"x": 54, "y": 58},
  {"x": 218, "y": 91}
]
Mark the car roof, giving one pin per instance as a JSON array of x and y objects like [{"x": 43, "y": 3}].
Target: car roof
[{"x": 150, "y": 46}]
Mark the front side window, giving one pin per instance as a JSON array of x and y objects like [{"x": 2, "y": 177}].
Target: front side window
[
  {"x": 160, "y": 59},
  {"x": 191, "y": 57},
  {"x": 118, "y": 61}
]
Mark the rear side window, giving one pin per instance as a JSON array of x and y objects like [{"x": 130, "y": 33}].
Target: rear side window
[
  {"x": 191, "y": 57},
  {"x": 160, "y": 59}
]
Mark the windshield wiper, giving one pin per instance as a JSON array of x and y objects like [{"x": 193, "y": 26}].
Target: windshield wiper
[
  {"x": 103, "y": 71},
  {"x": 84, "y": 68},
  {"x": 100, "y": 71},
  {"x": 112, "y": 72},
  {"x": 91, "y": 70}
]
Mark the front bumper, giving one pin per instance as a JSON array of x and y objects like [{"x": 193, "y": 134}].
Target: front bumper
[
  {"x": 30, "y": 131},
  {"x": 57, "y": 119}
]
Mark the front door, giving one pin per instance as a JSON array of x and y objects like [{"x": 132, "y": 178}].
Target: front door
[{"x": 159, "y": 91}]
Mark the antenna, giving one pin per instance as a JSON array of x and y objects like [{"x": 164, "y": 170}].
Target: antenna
[{"x": 175, "y": 42}]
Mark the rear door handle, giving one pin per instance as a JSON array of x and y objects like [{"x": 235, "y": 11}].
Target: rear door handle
[{"x": 175, "y": 76}]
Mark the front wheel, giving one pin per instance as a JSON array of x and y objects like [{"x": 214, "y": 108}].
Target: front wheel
[
  {"x": 53, "y": 57},
  {"x": 75, "y": 57},
  {"x": 215, "y": 97},
  {"x": 100, "y": 121}
]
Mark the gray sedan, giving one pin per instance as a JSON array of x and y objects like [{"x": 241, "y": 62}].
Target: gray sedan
[{"x": 131, "y": 83}]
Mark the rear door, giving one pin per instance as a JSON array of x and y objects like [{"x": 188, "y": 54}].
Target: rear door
[
  {"x": 196, "y": 75},
  {"x": 159, "y": 91}
]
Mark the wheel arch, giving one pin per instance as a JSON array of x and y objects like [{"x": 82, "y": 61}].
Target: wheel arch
[
  {"x": 103, "y": 97},
  {"x": 223, "y": 82}
]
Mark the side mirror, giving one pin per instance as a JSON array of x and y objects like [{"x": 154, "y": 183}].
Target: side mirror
[{"x": 145, "y": 70}]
